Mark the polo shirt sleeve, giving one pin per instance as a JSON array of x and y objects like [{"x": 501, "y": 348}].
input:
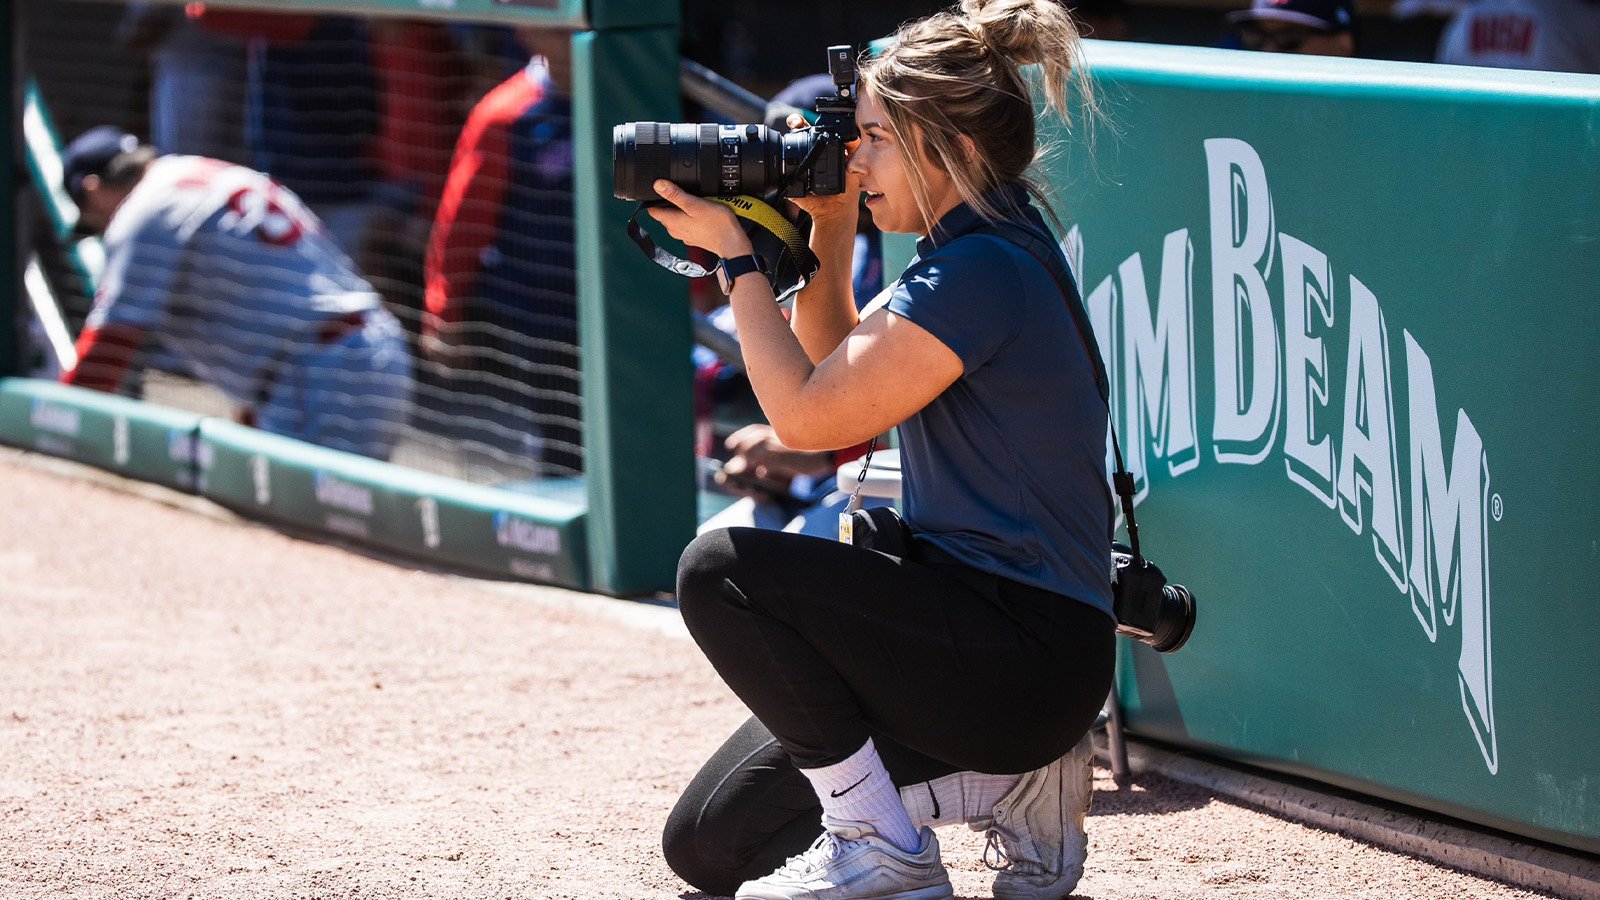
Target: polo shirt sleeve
[{"x": 967, "y": 294}]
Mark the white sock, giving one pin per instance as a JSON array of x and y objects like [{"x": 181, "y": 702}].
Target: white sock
[
  {"x": 859, "y": 790},
  {"x": 956, "y": 799}
]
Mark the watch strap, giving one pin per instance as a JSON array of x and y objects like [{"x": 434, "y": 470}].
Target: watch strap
[{"x": 728, "y": 270}]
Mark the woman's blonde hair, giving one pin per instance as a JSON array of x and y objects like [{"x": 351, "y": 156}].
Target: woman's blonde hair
[{"x": 956, "y": 76}]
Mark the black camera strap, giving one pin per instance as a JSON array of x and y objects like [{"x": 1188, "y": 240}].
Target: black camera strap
[
  {"x": 1049, "y": 256},
  {"x": 674, "y": 264},
  {"x": 779, "y": 241}
]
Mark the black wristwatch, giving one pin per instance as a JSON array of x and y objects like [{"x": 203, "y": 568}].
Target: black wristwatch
[{"x": 730, "y": 269}]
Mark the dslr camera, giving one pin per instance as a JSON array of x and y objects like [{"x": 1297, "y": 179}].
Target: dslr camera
[
  {"x": 1147, "y": 608},
  {"x": 724, "y": 160}
]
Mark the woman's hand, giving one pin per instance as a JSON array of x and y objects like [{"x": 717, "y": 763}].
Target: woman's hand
[
  {"x": 700, "y": 223},
  {"x": 829, "y": 209}
]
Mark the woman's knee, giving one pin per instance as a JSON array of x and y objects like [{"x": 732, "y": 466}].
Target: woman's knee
[
  {"x": 718, "y": 567},
  {"x": 704, "y": 564},
  {"x": 745, "y": 812},
  {"x": 684, "y": 848},
  {"x": 702, "y": 840},
  {"x": 704, "y": 571}
]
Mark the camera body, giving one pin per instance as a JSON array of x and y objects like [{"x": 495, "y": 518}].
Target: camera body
[
  {"x": 835, "y": 126},
  {"x": 710, "y": 160},
  {"x": 1147, "y": 608}
]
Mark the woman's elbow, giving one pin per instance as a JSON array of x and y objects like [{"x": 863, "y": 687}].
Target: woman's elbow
[
  {"x": 797, "y": 438},
  {"x": 797, "y": 433}
]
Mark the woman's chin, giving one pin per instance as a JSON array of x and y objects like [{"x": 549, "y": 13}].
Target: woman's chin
[{"x": 884, "y": 218}]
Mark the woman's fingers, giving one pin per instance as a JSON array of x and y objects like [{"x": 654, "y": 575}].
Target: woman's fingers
[
  {"x": 699, "y": 222},
  {"x": 670, "y": 192},
  {"x": 684, "y": 200},
  {"x": 685, "y": 209}
]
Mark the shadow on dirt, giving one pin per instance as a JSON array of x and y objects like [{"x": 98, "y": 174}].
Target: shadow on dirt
[{"x": 1145, "y": 794}]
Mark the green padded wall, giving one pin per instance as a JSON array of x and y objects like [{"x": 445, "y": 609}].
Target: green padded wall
[
  {"x": 1350, "y": 311},
  {"x": 634, "y": 329}
]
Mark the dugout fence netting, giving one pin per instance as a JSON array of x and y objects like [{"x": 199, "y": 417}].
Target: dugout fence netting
[{"x": 362, "y": 119}]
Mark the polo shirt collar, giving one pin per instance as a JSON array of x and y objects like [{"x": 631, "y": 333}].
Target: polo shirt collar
[{"x": 963, "y": 219}]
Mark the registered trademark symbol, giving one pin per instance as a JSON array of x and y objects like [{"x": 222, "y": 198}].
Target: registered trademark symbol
[{"x": 1497, "y": 507}]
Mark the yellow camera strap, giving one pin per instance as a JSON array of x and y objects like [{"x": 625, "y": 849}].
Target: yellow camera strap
[
  {"x": 762, "y": 215},
  {"x": 780, "y": 242}
]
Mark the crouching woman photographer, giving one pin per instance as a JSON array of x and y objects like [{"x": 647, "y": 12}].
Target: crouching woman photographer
[{"x": 954, "y": 685}]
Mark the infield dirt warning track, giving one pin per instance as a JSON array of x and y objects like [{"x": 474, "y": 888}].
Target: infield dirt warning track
[{"x": 197, "y": 707}]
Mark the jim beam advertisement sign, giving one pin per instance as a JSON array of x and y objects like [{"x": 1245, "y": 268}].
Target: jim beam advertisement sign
[{"x": 1425, "y": 505}]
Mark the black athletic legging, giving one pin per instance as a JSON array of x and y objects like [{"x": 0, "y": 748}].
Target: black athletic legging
[{"x": 946, "y": 668}]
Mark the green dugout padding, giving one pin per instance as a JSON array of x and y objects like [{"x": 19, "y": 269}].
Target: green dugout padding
[
  {"x": 422, "y": 516},
  {"x": 417, "y": 514},
  {"x": 1349, "y": 308},
  {"x": 139, "y": 440}
]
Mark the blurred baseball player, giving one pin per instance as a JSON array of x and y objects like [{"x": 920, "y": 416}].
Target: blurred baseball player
[
  {"x": 1311, "y": 27},
  {"x": 502, "y": 292},
  {"x": 1544, "y": 35},
  {"x": 240, "y": 282}
]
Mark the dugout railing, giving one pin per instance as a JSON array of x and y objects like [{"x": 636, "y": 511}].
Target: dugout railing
[{"x": 1347, "y": 308}]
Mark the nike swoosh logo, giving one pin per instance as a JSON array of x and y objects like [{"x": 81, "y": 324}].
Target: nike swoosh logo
[{"x": 850, "y": 788}]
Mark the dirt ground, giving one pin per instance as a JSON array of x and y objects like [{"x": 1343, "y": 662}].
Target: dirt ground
[{"x": 192, "y": 707}]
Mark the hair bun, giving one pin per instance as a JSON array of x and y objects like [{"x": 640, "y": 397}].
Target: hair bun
[{"x": 1012, "y": 28}]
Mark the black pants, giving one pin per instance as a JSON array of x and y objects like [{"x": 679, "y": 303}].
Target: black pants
[{"x": 946, "y": 668}]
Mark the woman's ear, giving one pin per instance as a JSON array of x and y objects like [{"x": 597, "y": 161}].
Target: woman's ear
[{"x": 969, "y": 149}]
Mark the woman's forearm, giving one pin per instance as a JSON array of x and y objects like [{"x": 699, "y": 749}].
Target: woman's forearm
[
  {"x": 775, "y": 360},
  {"x": 779, "y": 366},
  {"x": 825, "y": 311}
]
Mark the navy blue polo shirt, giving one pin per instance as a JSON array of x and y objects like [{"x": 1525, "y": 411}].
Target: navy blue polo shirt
[{"x": 1005, "y": 470}]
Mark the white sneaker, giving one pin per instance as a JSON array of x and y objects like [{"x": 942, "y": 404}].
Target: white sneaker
[
  {"x": 1038, "y": 829},
  {"x": 851, "y": 862}
]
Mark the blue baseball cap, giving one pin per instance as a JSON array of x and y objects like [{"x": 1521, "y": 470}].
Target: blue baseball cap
[
  {"x": 1323, "y": 15},
  {"x": 91, "y": 153}
]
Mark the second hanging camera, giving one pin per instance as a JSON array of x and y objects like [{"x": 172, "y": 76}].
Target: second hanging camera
[{"x": 1147, "y": 608}]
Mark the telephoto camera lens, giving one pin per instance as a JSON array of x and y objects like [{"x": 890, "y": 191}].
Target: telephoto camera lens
[{"x": 706, "y": 160}]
